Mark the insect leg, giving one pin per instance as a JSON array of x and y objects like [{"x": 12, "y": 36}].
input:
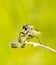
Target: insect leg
[{"x": 38, "y": 40}]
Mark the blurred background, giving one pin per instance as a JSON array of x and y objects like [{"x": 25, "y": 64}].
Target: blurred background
[{"x": 16, "y": 13}]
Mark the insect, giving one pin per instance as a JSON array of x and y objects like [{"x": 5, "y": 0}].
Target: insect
[{"x": 28, "y": 33}]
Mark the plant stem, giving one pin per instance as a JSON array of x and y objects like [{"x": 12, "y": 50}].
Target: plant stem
[{"x": 41, "y": 45}]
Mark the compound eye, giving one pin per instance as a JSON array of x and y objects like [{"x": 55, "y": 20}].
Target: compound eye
[{"x": 24, "y": 27}]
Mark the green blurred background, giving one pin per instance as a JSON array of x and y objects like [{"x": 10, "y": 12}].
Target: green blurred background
[{"x": 16, "y": 13}]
